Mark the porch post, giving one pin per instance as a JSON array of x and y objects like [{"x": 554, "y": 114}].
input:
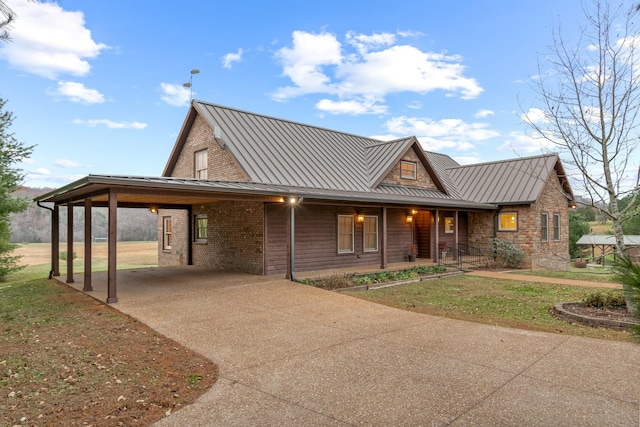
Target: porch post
[
  {"x": 190, "y": 237},
  {"x": 69, "y": 242},
  {"x": 455, "y": 230},
  {"x": 55, "y": 241},
  {"x": 292, "y": 242},
  {"x": 112, "y": 242},
  {"x": 87, "y": 246},
  {"x": 436, "y": 224},
  {"x": 383, "y": 238}
]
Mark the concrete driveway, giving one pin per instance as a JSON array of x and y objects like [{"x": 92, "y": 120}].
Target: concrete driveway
[{"x": 290, "y": 354}]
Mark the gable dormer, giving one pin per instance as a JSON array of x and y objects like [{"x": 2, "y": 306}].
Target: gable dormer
[{"x": 406, "y": 166}]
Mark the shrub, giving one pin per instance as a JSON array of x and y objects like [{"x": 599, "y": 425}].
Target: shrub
[
  {"x": 507, "y": 253},
  {"x": 63, "y": 256},
  {"x": 604, "y": 300}
]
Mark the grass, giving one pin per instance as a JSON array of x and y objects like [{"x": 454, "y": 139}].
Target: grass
[
  {"x": 509, "y": 303},
  {"x": 595, "y": 274},
  {"x": 68, "y": 359}
]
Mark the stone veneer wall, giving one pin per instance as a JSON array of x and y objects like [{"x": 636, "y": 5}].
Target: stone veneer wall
[
  {"x": 221, "y": 164},
  {"x": 423, "y": 179},
  {"x": 179, "y": 252},
  {"x": 550, "y": 255}
]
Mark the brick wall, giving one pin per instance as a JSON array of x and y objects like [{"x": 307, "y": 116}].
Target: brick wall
[
  {"x": 423, "y": 179},
  {"x": 179, "y": 252},
  {"x": 222, "y": 165},
  {"x": 235, "y": 237}
]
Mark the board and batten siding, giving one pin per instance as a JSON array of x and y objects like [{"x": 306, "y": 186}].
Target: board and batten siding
[{"x": 316, "y": 237}]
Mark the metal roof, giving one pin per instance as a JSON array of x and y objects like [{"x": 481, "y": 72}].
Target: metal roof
[
  {"x": 512, "y": 181},
  {"x": 607, "y": 239},
  {"x": 91, "y": 185}
]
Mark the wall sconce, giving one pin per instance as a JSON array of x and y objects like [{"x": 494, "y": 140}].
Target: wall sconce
[
  {"x": 409, "y": 219},
  {"x": 295, "y": 200},
  {"x": 360, "y": 217},
  {"x": 414, "y": 211},
  {"x": 153, "y": 209},
  {"x": 572, "y": 205}
]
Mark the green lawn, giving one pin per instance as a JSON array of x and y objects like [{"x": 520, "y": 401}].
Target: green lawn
[{"x": 509, "y": 303}]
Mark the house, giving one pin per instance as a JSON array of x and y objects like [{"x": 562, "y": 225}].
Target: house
[{"x": 257, "y": 194}]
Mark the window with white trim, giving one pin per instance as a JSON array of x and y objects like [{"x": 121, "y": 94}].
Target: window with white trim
[
  {"x": 201, "y": 164},
  {"x": 508, "y": 221},
  {"x": 408, "y": 170},
  {"x": 201, "y": 223},
  {"x": 556, "y": 227},
  {"x": 544, "y": 227},
  {"x": 166, "y": 233},
  {"x": 370, "y": 234},
  {"x": 345, "y": 234}
]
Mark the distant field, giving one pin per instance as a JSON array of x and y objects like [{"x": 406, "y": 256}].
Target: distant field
[
  {"x": 599, "y": 228},
  {"x": 129, "y": 254}
]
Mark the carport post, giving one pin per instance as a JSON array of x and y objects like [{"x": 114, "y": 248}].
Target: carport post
[
  {"x": 69, "y": 242},
  {"x": 87, "y": 246},
  {"x": 111, "y": 251},
  {"x": 55, "y": 241},
  {"x": 383, "y": 243}
]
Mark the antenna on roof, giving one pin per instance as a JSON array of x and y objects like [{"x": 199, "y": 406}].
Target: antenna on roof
[{"x": 189, "y": 84}]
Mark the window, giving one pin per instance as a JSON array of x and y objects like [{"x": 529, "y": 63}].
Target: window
[
  {"x": 408, "y": 170},
  {"x": 508, "y": 221},
  {"x": 345, "y": 234},
  {"x": 166, "y": 232},
  {"x": 544, "y": 227},
  {"x": 201, "y": 164},
  {"x": 556, "y": 227},
  {"x": 200, "y": 229},
  {"x": 448, "y": 224},
  {"x": 370, "y": 233}
]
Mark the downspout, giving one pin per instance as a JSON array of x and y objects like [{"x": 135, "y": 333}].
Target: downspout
[
  {"x": 496, "y": 218},
  {"x": 52, "y": 224}
]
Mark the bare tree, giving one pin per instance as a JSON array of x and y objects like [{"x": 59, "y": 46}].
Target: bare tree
[
  {"x": 588, "y": 100},
  {"x": 6, "y": 18}
]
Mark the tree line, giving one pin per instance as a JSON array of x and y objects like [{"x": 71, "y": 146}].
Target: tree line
[{"x": 34, "y": 224}]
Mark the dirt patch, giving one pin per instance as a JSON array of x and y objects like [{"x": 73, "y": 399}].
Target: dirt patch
[{"x": 68, "y": 359}]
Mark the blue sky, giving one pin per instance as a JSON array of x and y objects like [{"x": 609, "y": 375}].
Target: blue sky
[{"x": 98, "y": 86}]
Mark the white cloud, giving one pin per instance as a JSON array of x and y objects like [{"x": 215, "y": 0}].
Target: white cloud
[
  {"x": 368, "y": 67},
  {"x": 110, "y": 124},
  {"x": 304, "y": 62},
  {"x": 446, "y": 133},
  {"x": 467, "y": 160},
  {"x": 521, "y": 143},
  {"x": 65, "y": 163},
  {"x": 482, "y": 114},
  {"x": 353, "y": 107},
  {"x": 230, "y": 58},
  {"x": 175, "y": 94},
  {"x": 535, "y": 116},
  {"x": 49, "y": 41},
  {"x": 77, "y": 92},
  {"x": 42, "y": 171}
]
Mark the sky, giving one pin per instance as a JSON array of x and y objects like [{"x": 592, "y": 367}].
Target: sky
[{"x": 98, "y": 87}]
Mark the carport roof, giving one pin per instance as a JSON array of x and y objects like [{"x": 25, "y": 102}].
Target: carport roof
[{"x": 141, "y": 191}]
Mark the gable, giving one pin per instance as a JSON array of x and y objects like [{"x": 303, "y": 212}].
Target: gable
[
  {"x": 515, "y": 181},
  {"x": 197, "y": 136},
  {"x": 423, "y": 177}
]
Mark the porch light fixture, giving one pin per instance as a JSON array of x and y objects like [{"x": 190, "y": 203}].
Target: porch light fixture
[
  {"x": 293, "y": 200},
  {"x": 153, "y": 209},
  {"x": 572, "y": 205},
  {"x": 414, "y": 211},
  {"x": 409, "y": 219},
  {"x": 359, "y": 217}
]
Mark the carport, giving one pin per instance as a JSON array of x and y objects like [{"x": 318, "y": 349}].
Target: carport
[{"x": 132, "y": 192}]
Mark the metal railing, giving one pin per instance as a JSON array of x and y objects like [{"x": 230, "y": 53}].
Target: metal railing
[{"x": 464, "y": 257}]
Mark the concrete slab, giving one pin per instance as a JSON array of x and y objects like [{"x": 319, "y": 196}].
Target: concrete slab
[{"x": 290, "y": 354}]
